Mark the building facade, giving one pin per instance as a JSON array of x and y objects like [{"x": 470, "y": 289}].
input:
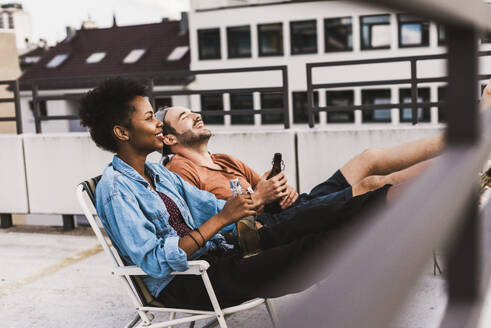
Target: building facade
[
  {"x": 13, "y": 19},
  {"x": 225, "y": 34}
]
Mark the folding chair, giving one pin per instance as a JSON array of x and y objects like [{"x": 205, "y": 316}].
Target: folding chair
[{"x": 143, "y": 301}]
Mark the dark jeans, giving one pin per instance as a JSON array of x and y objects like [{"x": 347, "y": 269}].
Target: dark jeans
[
  {"x": 289, "y": 248},
  {"x": 334, "y": 190}
]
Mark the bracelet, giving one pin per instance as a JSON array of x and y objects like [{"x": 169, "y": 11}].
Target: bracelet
[
  {"x": 204, "y": 240},
  {"x": 190, "y": 235}
]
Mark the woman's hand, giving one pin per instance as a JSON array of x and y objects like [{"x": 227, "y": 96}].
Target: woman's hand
[
  {"x": 236, "y": 208},
  {"x": 290, "y": 198}
]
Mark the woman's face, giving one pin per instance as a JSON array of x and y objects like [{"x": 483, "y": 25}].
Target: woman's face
[{"x": 145, "y": 133}]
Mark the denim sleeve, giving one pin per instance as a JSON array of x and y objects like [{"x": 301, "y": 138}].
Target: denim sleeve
[
  {"x": 136, "y": 236},
  {"x": 198, "y": 199}
]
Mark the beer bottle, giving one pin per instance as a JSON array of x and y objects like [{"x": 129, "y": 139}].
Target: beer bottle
[
  {"x": 274, "y": 207},
  {"x": 246, "y": 227}
]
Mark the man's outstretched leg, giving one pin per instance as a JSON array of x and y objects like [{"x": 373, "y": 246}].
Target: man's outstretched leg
[{"x": 384, "y": 161}]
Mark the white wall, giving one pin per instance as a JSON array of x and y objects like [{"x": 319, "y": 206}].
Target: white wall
[
  {"x": 13, "y": 191},
  {"x": 256, "y": 149},
  {"x": 322, "y": 152},
  {"x": 55, "y": 164}
]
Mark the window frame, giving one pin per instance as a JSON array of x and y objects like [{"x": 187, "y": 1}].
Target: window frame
[
  {"x": 362, "y": 47},
  {"x": 200, "y": 51},
  {"x": 259, "y": 39},
  {"x": 351, "y": 114},
  {"x": 316, "y": 103},
  {"x": 423, "y": 108},
  {"x": 417, "y": 20},
  {"x": 220, "y": 119},
  {"x": 364, "y": 121},
  {"x": 339, "y": 25},
  {"x": 300, "y": 52},
  {"x": 229, "y": 30}
]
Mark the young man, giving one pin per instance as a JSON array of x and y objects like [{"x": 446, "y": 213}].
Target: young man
[{"x": 186, "y": 136}]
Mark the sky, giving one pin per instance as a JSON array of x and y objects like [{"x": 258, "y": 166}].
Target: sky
[{"x": 50, "y": 17}]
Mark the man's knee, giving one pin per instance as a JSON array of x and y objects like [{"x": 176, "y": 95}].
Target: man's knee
[
  {"x": 370, "y": 158},
  {"x": 370, "y": 183}
]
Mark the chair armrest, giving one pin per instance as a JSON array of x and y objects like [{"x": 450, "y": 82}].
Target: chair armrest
[{"x": 195, "y": 268}]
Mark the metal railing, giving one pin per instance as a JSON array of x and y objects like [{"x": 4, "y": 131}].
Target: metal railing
[
  {"x": 414, "y": 81},
  {"x": 376, "y": 265},
  {"x": 14, "y": 86},
  {"x": 149, "y": 79}
]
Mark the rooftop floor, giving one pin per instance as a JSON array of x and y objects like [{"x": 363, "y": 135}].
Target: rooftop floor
[{"x": 51, "y": 278}]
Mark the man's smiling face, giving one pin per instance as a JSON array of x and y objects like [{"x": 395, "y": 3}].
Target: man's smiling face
[{"x": 189, "y": 127}]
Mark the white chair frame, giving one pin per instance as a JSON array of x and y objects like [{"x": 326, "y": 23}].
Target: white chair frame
[{"x": 143, "y": 315}]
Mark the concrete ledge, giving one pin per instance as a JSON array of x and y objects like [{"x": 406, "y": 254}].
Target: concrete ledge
[
  {"x": 13, "y": 193},
  {"x": 322, "y": 152}
]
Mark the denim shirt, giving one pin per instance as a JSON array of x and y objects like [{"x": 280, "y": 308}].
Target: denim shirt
[{"x": 136, "y": 219}]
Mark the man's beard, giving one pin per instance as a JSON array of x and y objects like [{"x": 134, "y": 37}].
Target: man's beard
[{"x": 192, "y": 139}]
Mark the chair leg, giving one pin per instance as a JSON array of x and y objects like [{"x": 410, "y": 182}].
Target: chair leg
[
  {"x": 272, "y": 313},
  {"x": 172, "y": 316},
  {"x": 133, "y": 322}
]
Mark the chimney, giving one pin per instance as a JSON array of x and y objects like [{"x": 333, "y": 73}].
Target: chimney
[
  {"x": 70, "y": 33},
  {"x": 183, "y": 23}
]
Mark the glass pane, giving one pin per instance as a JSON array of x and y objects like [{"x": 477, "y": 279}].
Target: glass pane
[
  {"x": 209, "y": 44},
  {"x": 211, "y": 102},
  {"x": 375, "y": 19},
  {"x": 239, "y": 41},
  {"x": 300, "y": 104},
  {"x": 272, "y": 101},
  {"x": 270, "y": 39},
  {"x": 57, "y": 60},
  {"x": 241, "y": 101},
  {"x": 340, "y": 98},
  {"x": 442, "y": 96},
  {"x": 303, "y": 37},
  {"x": 406, "y": 114},
  {"x": 411, "y": 34},
  {"x": 338, "y": 34},
  {"x": 376, "y": 96}
]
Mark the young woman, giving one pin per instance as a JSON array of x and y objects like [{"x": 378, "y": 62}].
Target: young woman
[{"x": 158, "y": 221}]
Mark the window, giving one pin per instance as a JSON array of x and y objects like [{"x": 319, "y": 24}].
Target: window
[
  {"x": 375, "y": 32},
  {"x": 209, "y": 44},
  {"x": 178, "y": 53},
  {"x": 43, "y": 111},
  {"x": 486, "y": 38},
  {"x": 375, "y": 97},
  {"x": 272, "y": 101},
  {"x": 300, "y": 107},
  {"x": 442, "y": 97},
  {"x": 413, "y": 31},
  {"x": 211, "y": 102},
  {"x": 340, "y": 98},
  {"x": 442, "y": 35},
  {"x": 134, "y": 56},
  {"x": 338, "y": 34},
  {"x": 239, "y": 41},
  {"x": 406, "y": 114},
  {"x": 57, "y": 60},
  {"x": 31, "y": 59},
  {"x": 11, "y": 20},
  {"x": 1, "y": 20},
  {"x": 163, "y": 102},
  {"x": 270, "y": 39},
  {"x": 303, "y": 36},
  {"x": 95, "y": 57},
  {"x": 240, "y": 101}
]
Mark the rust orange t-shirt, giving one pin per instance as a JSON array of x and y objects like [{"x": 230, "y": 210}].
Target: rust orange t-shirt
[{"x": 216, "y": 181}]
